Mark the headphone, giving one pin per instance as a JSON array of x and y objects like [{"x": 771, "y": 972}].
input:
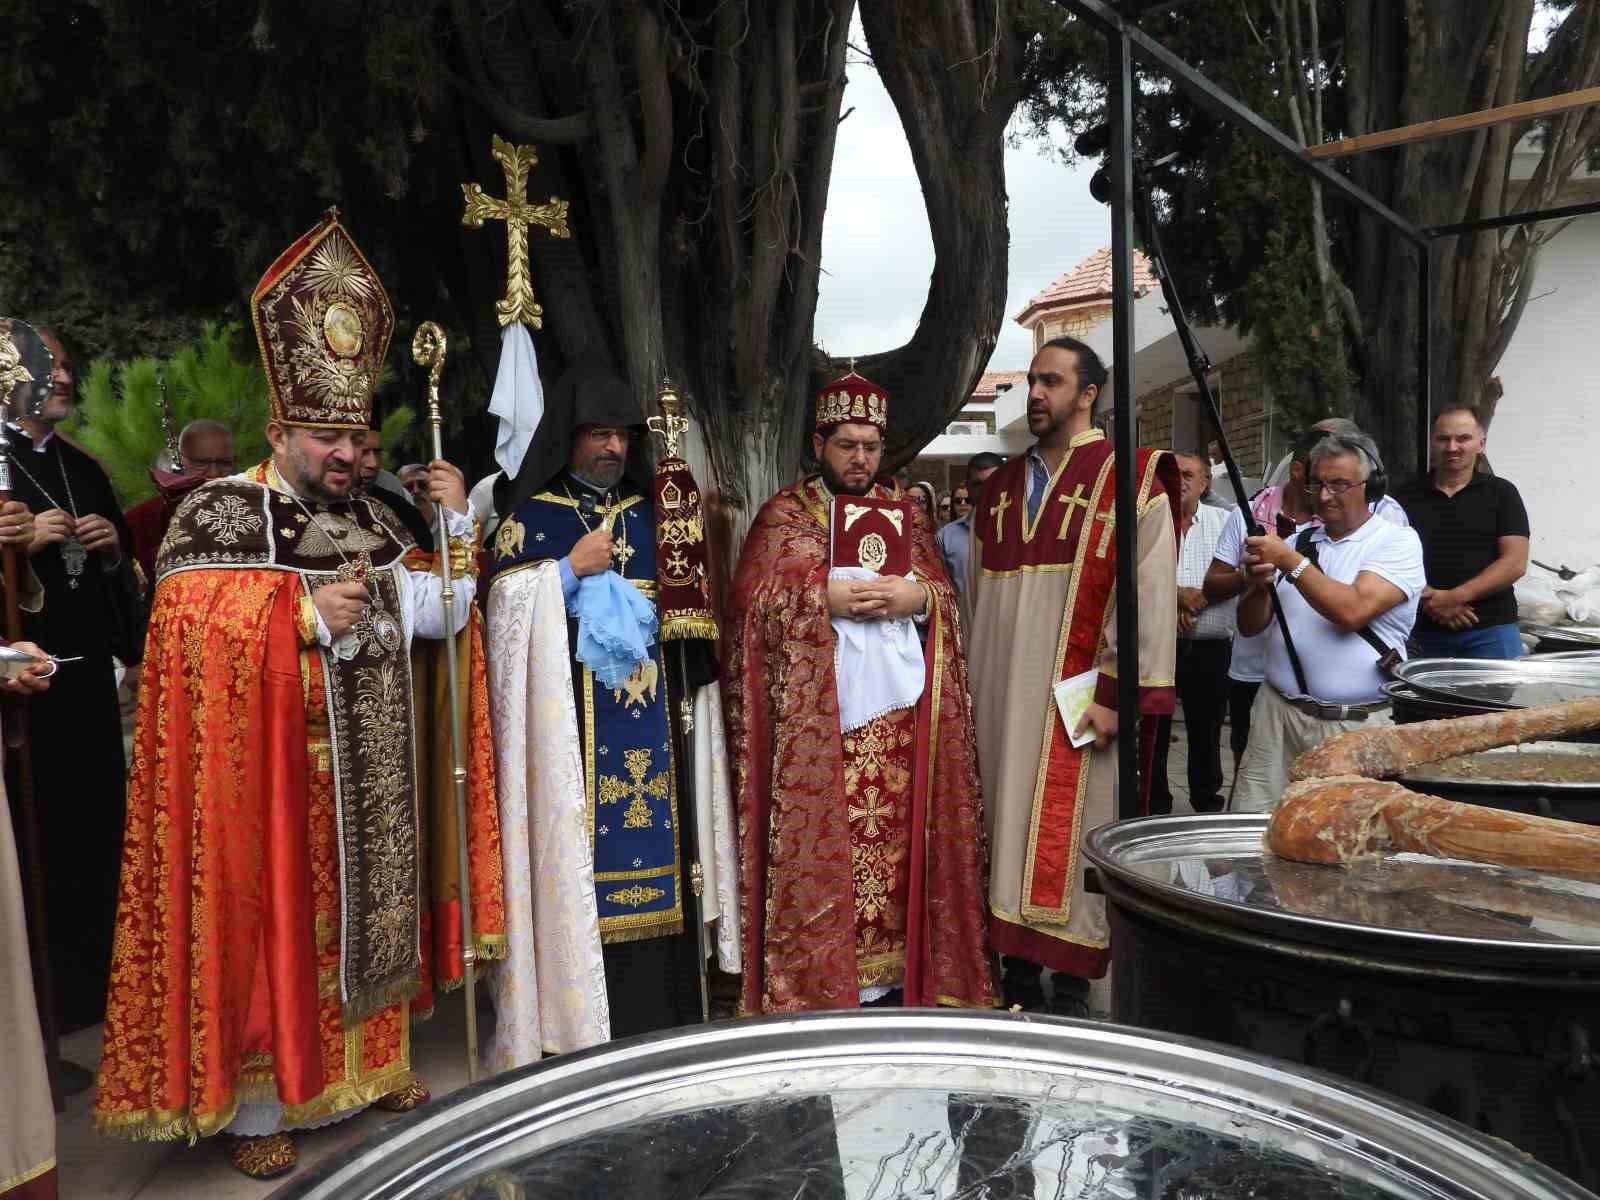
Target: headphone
[{"x": 1377, "y": 483}]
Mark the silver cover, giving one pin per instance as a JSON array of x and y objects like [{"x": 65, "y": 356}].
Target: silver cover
[
  {"x": 1106, "y": 1111},
  {"x": 1566, "y": 633},
  {"x": 1405, "y": 906},
  {"x": 1435, "y": 773},
  {"x": 1503, "y": 683}
]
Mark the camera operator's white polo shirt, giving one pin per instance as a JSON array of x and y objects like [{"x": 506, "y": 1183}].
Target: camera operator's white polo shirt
[{"x": 1340, "y": 667}]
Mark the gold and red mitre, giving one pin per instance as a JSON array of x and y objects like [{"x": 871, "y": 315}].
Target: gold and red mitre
[
  {"x": 323, "y": 323},
  {"x": 853, "y": 399}
]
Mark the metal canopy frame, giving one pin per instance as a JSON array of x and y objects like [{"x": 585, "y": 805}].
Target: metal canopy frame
[{"x": 1125, "y": 41}]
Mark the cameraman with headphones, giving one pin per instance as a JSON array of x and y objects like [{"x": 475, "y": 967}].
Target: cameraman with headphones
[{"x": 1349, "y": 592}]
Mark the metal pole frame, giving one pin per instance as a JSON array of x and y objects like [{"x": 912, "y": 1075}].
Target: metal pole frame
[
  {"x": 1125, "y": 40},
  {"x": 1123, "y": 440}
]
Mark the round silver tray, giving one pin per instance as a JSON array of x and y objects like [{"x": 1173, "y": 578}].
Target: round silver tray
[
  {"x": 1402, "y": 906},
  {"x": 1434, "y": 774},
  {"x": 1565, "y": 633},
  {"x": 891, "y": 1103},
  {"x": 1503, "y": 683}
]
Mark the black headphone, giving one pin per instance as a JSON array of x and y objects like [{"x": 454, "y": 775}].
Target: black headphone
[{"x": 1377, "y": 483}]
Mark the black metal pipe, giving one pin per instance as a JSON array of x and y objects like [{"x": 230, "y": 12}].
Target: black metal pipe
[
  {"x": 1424, "y": 355},
  {"x": 1223, "y": 106},
  {"x": 1121, "y": 174},
  {"x": 1537, "y": 216}
]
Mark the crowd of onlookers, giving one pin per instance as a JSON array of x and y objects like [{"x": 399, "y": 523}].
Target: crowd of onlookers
[{"x": 1362, "y": 573}]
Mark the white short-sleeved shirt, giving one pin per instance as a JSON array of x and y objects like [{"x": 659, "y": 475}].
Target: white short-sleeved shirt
[
  {"x": 1340, "y": 667},
  {"x": 1247, "y": 664}
]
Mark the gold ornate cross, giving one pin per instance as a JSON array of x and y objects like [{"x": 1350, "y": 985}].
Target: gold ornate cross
[
  {"x": 635, "y": 789},
  {"x": 1077, "y": 498},
  {"x": 998, "y": 512},
  {"x": 518, "y": 214}
]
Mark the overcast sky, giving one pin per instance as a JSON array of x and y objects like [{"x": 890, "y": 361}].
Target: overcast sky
[{"x": 876, "y": 251}]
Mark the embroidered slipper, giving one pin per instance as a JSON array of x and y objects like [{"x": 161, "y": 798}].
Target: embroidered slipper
[
  {"x": 263, "y": 1157},
  {"x": 403, "y": 1100}
]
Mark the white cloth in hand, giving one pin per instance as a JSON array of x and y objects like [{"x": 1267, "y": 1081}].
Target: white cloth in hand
[{"x": 877, "y": 664}]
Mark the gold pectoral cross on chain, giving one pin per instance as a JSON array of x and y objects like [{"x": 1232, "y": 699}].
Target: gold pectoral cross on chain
[{"x": 518, "y": 214}]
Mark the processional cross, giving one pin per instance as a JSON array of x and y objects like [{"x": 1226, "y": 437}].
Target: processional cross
[{"x": 516, "y": 161}]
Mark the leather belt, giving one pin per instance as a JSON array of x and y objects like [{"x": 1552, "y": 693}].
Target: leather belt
[{"x": 1338, "y": 712}]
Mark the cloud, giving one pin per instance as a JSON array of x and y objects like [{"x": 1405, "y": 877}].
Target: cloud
[{"x": 877, "y": 254}]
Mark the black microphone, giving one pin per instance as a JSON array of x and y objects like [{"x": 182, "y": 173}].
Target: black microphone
[{"x": 1094, "y": 140}]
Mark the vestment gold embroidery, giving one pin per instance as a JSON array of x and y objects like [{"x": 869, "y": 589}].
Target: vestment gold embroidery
[
  {"x": 636, "y": 895},
  {"x": 635, "y": 789}
]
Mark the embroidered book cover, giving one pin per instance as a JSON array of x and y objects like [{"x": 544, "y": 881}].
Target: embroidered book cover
[{"x": 871, "y": 533}]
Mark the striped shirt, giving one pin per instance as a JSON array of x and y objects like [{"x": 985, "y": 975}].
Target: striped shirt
[{"x": 1197, "y": 549}]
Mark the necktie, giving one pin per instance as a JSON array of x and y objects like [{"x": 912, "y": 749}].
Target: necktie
[{"x": 1038, "y": 484}]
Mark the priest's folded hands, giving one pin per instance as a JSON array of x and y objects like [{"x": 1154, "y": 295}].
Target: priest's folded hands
[{"x": 887, "y": 598}]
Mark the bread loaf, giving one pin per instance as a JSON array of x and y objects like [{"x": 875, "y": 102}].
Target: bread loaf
[
  {"x": 1392, "y": 750},
  {"x": 1338, "y": 820}
]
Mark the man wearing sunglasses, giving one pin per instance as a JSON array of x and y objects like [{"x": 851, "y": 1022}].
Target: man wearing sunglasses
[
  {"x": 955, "y": 539},
  {"x": 1349, "y": 591}
]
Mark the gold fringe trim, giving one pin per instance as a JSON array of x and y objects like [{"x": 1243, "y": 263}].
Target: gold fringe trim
[
  {"x": 15, "y": 1181},
  {"x": 400, "y": 990},
  {"x": 167, "y": 1125},
  {"x": 676, "y": 628},
  {"x": 492, "y": 945},
  {"x": 611, "y": 937}
]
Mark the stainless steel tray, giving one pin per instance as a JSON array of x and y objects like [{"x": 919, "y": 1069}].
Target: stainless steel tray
[
  {"x": 1566, "y": 633},
  {"x": 1503, "y": 683},
  {"x": 1433, "y": 774},
  {"x": 1402, "y": 906},
  {"x": 888, "y": 1100}
]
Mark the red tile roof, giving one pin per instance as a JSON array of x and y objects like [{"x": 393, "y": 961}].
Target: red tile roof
[
  {"x": 1090, "y": 280},
  {"x": 990, "y": 383}
]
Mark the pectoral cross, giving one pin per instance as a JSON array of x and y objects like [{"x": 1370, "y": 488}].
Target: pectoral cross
[
  {"x": 1077, "y": 498},
  {"x": 998, "y": 512},
  {"x": 518, "y": 214}
]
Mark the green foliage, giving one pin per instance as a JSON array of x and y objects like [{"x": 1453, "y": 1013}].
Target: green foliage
[
  {"x": 399, "y": 428},
  {"x": 119, "y": 406}
]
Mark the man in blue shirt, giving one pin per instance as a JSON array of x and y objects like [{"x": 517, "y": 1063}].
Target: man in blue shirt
[{"x": 955, "y": 538}]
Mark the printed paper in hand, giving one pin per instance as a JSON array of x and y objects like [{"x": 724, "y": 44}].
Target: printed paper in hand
[{"x": 1073, "y": 697}]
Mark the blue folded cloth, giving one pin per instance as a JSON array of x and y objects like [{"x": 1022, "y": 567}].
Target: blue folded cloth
[{"x": 616, "y": 626}]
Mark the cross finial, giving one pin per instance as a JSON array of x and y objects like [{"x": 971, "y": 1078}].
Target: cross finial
[
  {"x": 516, "y": 161},
  {"x": 852, "y": 364}
]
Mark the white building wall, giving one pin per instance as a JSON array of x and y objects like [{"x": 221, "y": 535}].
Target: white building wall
[{"x": 1546, "y": 432}]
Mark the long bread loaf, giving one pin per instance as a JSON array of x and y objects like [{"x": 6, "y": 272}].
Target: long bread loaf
[
  {"x": 1395, "y": 749},
  {"x": 1341, "y": 819}
]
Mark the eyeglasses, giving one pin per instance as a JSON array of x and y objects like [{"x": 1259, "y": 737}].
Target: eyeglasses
[
  {"x": 1334, "y": 487},
  {"x": 961, "y": 499}
]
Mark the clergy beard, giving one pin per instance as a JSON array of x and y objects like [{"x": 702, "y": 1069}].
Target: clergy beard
[
  {"x": 839, "y": 487},
  {"x": 603, "y": 474},
  {"x": 309, "y": 483}
]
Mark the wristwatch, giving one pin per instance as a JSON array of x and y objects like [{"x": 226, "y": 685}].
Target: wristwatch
[{"x": 1299, "y": 569}]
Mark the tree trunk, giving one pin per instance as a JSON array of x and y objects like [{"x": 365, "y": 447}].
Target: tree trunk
[{"x": 695, "y": 142}]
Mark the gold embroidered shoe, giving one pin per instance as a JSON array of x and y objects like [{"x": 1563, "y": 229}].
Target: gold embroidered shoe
[
  {"x": 403, "y": 1100},
  {"x": 263, "y": 1157}
]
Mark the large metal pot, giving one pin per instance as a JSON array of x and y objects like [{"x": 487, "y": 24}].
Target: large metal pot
[
  {"x": 1520, "y": 779},
  {"x": 888, "y": 1104},
  {"x": 1472, "y": 990}
]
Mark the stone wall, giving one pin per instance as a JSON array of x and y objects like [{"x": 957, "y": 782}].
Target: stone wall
[{"x": 1245, "y": 406}]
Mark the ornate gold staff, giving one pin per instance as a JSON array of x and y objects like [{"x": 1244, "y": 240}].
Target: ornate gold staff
[{"x": 428, "y": 349}]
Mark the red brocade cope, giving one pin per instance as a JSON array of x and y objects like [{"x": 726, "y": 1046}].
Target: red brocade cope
[
  {"x": 225, "y": 969},
  {"x": 1075, "y": 528},
  {"x": 863, "y": 853},
  {"x": 436, "y": 801}
]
